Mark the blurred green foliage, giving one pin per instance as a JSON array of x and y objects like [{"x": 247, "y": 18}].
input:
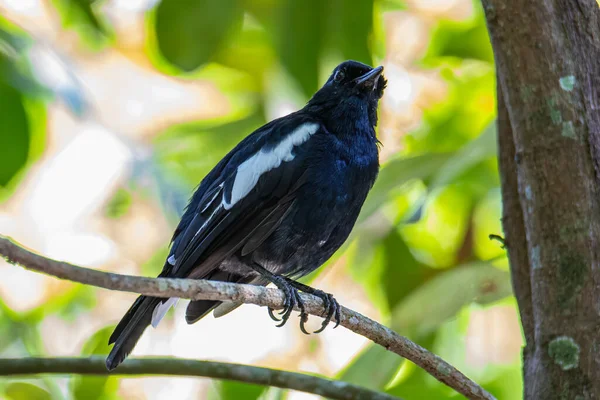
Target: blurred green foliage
[{"x": 430, "y": 266}]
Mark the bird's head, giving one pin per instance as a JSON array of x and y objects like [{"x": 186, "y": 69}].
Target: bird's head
[{"x": 352, "y": 87}]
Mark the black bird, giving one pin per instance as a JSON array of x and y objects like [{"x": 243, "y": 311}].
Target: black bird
[{"x": 277, "y": 206}]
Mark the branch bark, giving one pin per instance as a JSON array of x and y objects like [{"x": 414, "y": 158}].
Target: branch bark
[
  {"x": 212, "y": 290},
  {"x": 514, "y": 229},
  {"x": 547, "y": 56},
  {"x": 179, "y": 367}
]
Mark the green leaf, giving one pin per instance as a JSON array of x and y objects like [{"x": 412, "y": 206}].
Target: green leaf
[
  {"x": 15, "y": 139},
  {"x": 81, "y": 16},
  {"x": 177, "y": 149},
  {"x": 453, "y": 336},
  {"x": 119, "y": 204},
  {"x": 464, "y": 113},
  {"x": 230, "y": 390},
  {"x": 418, "y": 384},
  {"x": 249, "y": 51},
  {"x": 98, "y": 343},
  {"x": 191, "y": 32},
  {"x": 508, "y": 385},
  {"x": 374, "y": 368},
  {"x": 351, "y": 25},
  {"x": 300, "y": 40},
  {"x": 487, "y": 220},
  {"x": 25, "y": 391},
  {"x": 95, "y": 387},
  {"x": 402, "y": 272},
  {"x": 462, "y": 39},
  {"x": 427, "y": 307},
  {"x": 398, "y": 172},
  {"x": 471, "y": 154}
]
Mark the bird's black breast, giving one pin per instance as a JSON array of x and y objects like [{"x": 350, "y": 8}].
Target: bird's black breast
[{"x": 339, "y": 176}]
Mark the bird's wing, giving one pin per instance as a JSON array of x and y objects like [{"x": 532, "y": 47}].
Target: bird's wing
[{"x": 243, "y": 200}]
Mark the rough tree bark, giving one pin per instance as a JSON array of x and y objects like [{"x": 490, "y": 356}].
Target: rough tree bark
[{"x": 548, "y": 64}]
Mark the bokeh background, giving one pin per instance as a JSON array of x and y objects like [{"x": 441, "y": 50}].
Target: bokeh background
[{"x": 112, "y": 111}]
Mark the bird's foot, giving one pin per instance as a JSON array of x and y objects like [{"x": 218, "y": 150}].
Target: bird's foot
[
  {"x": 292, "y": 299},
  {"x": 290, "y": 289},
  {"x": 330, "y": 304}
]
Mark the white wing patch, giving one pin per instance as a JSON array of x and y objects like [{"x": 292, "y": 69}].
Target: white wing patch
[
  {"x": 249, "y": 171},
  {"x": 161, "y": 310},
  {"x": 171, "y": 260}
]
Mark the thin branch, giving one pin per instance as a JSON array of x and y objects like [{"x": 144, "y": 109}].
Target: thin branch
[
  {"x": 224, "y": 291},
  {"x": 180, "y": 367}
]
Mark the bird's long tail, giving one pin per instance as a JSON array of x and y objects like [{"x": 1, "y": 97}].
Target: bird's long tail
[
  {"x": 128, "y": 331},
  {"x": 147, "y": 311}
]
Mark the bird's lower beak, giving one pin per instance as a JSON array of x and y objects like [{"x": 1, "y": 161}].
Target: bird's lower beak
[{"x": 369, "y": 80}]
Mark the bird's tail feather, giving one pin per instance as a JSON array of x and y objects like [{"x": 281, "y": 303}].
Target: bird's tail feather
[
  {"x": 198, "y": 309},
  {"x": 128, "y": 331}
]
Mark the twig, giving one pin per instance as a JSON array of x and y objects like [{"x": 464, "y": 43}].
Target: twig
[
  {"x": 499, "y": 239},
  {"x": 213, "y": 290},
  {"x": 181, "y": 367}
]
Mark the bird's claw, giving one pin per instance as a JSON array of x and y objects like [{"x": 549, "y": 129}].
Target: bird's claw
[
  {"x": 292, "y": 299},
  {"x": 331, "y": 307},
  {"x": 303, "y": 314},
  {"x": 272, "y": 315},
  {"x": 291, "y": 291}
]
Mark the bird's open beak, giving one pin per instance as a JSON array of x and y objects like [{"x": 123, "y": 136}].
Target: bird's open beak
[{"x": 370, "y": 79}]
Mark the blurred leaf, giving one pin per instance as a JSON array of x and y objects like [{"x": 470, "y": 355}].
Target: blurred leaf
[
  {"x": 471, "y": 154},
  {"x": 249, "y": 51},
  {"x": 191, "y": 150},
  {"x": 504, "y": 381},
  {"x": 72, "y": 302},
  {"x": 155, "y": 264},
  {"x": 230, "y": 390},
  {"x": 508, "y": 384},
  {"x": 154, "y": 179},
  {"x": 183, "y": 155},
  {"x": 82, "y": 16},
  {"x": 417, "y": 386},
  {"x": 15, "y": 141},
  {"x": 119, "y": 204},
  {"x": 366, "y": 261},
  {"x": 98, "y": 343},
  {"x": 437, "y": 238},
  {"x": 462, "y": 39},
  {"x": 351, "y": 23},
  {"x": 191, "y": 32},
  {"x": 458, "y": 341},
  {"x": 402, "y": 273},
  {"x": 467, "y": 109},
  {"x": 274, "y": 393},
  {"x": 373, "y": 368},
  {"x": 12, "y": 37},
  {"x": 439, "y": 299},
  {"x": 397, "y": 172},
  {"x": 487, "y": 220},
  {"x": 302, "y": 28},
  {"x": 95, "y": 387},
  {"x": 25, "y": 391},
  {"x": 6, "y": 330},
  {"x": 14, "y": 64}
]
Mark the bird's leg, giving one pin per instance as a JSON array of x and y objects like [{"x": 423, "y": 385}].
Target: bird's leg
[
  {"x": 292, "y": 297},
  {"x": 330, "y": 304}
]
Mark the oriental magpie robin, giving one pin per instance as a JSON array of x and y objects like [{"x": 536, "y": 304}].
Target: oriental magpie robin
[{"x": 277, "y": 206}]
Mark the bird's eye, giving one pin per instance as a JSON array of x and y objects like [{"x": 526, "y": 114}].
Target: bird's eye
[{"x": 339, "y": 76}]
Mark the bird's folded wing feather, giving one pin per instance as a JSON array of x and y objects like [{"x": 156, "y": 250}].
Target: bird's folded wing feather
[{"x": 243, "y": 200}]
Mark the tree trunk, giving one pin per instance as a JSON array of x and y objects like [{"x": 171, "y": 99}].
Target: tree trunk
[{"x": 548, "y": 64}]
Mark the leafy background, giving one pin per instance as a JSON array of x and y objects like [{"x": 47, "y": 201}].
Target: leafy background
[{"x": 112, "y": 111}]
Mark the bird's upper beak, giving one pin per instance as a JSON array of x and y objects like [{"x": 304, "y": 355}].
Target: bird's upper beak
[{"x": 369, "y": 80}]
